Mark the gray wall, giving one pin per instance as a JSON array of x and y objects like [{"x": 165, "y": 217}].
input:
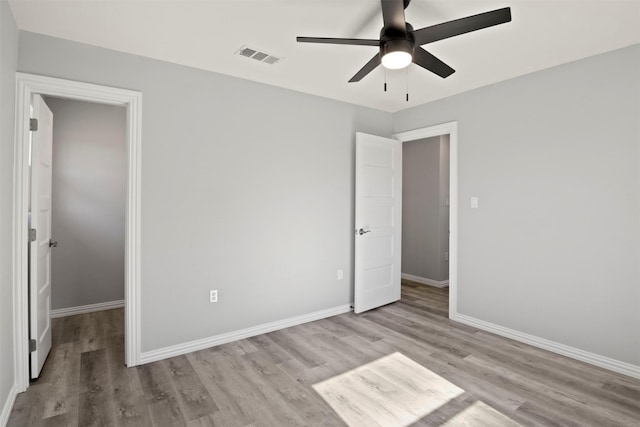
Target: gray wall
[
  {"x": 424, "y": 190},
  {"x": 246, "y": 188},
  {"x": 554, "y": 158},
  {"x": 8, "y": 63},
  {"x": 88, "y": 208}
]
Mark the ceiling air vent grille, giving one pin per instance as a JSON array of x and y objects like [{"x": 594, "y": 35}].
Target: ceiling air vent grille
[{"x": 258, "y": 55}]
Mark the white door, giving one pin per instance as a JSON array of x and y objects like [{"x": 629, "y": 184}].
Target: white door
[
  {"x": 378, "y": 221},
  {"x": 40, "y": 250}
]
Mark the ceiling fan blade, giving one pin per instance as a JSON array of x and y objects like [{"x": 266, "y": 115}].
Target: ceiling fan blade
[
  {"x": 393, "y": 15},
  {"x": 369, "y": 67},
  {"x": 462, "y": 26},
  {"x": 427, "y": 61},
  {"x": 329, "y": 40}
]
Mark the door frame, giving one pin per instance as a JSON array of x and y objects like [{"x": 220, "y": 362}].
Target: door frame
[
  {"x": 26, "y": 86},
  {"x": 451, "y": 129}
]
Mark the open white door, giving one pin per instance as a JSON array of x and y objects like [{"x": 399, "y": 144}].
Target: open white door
[
  {"x": 378, "y": 221},
  {"x": 40, "y": 247}
]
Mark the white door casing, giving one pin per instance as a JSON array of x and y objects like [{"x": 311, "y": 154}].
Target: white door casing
[
  {"x": 378, "y": 221},
  {"x": 40, "y": 250},
  {"x": 28, "y": 85}
]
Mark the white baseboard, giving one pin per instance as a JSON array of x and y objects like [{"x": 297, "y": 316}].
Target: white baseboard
[
  {"x": 425, "y": 281},
  {"x": 90, "y": 308},
  {"x": 8, "y": 406},
  {"x": 201, "y": 344},
  {"x": 565, "y": 350}
]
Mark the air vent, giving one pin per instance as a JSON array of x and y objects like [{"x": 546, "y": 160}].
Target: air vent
[
  {"x": 247, "y": 52},
  {"x": 271, "y": 60},
  {"x": 258, "y": 55}
]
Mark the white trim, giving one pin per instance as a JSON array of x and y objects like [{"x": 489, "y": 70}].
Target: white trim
[
  {"x": 8, "y": 406},
  {"x": 201, "y": 344},
  {"x": 565, "y": 350},
  {"x": 450, "y": 128},
  {"x": 425, "y": 281},
  {"x": 28, "y": 85},
  {"x": 89, "y": 308}
]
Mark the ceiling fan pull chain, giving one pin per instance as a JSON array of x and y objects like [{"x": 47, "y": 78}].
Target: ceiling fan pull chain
[
  {"x": 407, "y": 84},
  {"x": 385, "y": 79}
]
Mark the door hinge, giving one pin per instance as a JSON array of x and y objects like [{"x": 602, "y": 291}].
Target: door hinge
[
  {"x": 32, "y": 234},
  {"x": 33, "y": 125},
  {"x": 32, "y": 346}
]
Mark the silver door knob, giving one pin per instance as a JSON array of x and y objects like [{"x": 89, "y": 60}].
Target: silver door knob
[
  {"x": 363, "y": 231},
  {"x": 53, "y": 243}
]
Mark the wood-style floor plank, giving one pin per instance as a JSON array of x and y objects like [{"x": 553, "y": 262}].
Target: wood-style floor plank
[
  {"x": 195, "y": 401},
  {"x": 96, "y": 393},
  {"x": 402, "y": 364},
  {"x": 161, "y": 396},
  {"x": 129, "y": 401}
]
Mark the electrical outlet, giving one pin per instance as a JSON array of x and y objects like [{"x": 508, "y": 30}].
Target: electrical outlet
[
  {"x": 340, "y": 274},
  {"x": 213, "y": 295},
  {"x": 446, "y": 256}
]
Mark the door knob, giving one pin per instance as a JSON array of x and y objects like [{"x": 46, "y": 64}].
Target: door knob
[
  {"x": 53, "y": 243},
  {"x": 363, "y": 231}
]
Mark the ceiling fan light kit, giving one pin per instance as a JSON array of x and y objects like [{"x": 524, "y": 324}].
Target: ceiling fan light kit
[
  {"x": 396, "y": 54},
  {"x": 400, "y": 45}
]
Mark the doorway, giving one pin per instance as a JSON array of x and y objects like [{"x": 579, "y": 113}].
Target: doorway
[
  {"x": 84, "y": 252},
  {"x": 88, "y": 206},
  {"x": 425, "y": 211},
  {"x": 27, "y": 86},
  {"x": 450, "y": 131}
]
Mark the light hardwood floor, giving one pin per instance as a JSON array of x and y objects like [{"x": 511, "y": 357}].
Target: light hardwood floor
[{"x": 402, "y": 364}]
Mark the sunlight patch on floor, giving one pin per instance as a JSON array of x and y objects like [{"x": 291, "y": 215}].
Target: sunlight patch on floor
[
  {"x": 478, "y": 415},
  {"x": 393, "y": 391}
]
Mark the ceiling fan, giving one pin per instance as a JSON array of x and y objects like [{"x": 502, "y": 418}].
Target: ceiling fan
[{"x": 400, "y": 44}]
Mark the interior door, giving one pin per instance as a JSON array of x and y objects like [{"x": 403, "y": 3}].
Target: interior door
[
  {"x": 378, "y": 221},
  {"x": 40, "y": 249}
]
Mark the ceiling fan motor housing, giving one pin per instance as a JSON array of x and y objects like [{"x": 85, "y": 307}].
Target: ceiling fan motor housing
[
  {"x": 398, "y": 45},
  {"x": 392, "y": 40}
]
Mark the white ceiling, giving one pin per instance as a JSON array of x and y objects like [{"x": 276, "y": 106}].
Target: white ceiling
[{"x": 206, "y": 33}]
